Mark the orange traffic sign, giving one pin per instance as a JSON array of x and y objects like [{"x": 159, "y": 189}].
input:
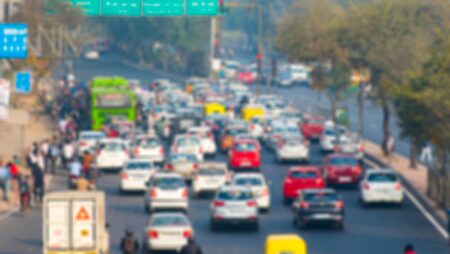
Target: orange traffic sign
[{"x": 83, "y": 214}]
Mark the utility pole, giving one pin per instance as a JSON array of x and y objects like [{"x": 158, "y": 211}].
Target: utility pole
[
  {"x": 259, "y": 57},
  {"x": 269, "y": 45}
]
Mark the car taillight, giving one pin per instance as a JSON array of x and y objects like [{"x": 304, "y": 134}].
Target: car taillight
[
  {"x": 398, "y": 186},
  {"x": 366, "y": 186},
  {"x": 339, "y": 204},
  {"x": 356, "y": 170},
  {"x": 124, "y": 175},
  {"x": 99, "y": 152},
  {"x": 361, "y": 148},
  {"x": 152, "y": 234},
  {"x": 265, "y": 192},
  {"x": 200, "y": 150},
  {"x": 174, "y": 149},
  {"x": 126, "y": 152},
  {"x": 304, "y": 205},
  {"x": 136, "y": 151},
  {"x": 166, "y": 126},
  {"x": 161, "y": 150},
  {"x": 251, "y": 203},
  {"x": 184, "y": 193},
  {"x": 195, "y": 166},
  {"x": 305, "y": 142},
  {"x": 287, "y": 180},
  {"x": 82, "y": 143},
  {"x": 319, "y": 181},
  {"x": 169, "y": 167},
  {"x": 211, "y": 136},
  {"x": 153, "y": 193},
  {"x": 187, "y": 233},
  {"x": 218, "y": 203}
]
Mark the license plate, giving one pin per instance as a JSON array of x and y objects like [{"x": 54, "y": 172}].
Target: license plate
[
  {"x": 322, "y": 216},
  {"x": 212, "y": 181},
  {"x": 345, "y": 179},
  {"x": 245, "y": 164}
]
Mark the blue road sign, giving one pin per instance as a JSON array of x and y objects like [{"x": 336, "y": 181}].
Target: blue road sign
[
  {"x": 22, "y": 82},
  {"x": 13, "y": 40}
]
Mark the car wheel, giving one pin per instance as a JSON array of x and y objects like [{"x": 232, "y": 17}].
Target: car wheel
[
  {"x": 295, "y": 222},
  {"x": 213, "y": 226},
  {"x": 255, "y": 227},
  {"x": 362, "y": 203},
  {"x": 339, "y": 226},
  {"x": 265, "y": 210},
  {"x": 301, "y": 224}
]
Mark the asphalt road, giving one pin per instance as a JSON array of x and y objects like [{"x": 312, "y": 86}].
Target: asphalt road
[{"x": 368, "y": 230}]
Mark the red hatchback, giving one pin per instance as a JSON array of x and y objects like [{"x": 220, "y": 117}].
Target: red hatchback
[
  {"x": 312, "y": 127},
  {"x": 244, "y": 154},
  {"x": 301, "y": 178},
  {"x": 342, "y": 169}
]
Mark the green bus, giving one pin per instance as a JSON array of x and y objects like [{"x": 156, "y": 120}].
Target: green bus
[{"x": 111, "y": 97}]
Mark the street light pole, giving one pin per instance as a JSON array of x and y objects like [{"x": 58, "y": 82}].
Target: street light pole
[{"x": 259, "y": 56}]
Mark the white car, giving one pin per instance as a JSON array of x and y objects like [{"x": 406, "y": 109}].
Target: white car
[
  {"x": 381, "y": 186},
  {"x": 188, "y": 144},
  {"x": 352, "y": 144},
  {"x": 167, "y": 231},
  {"x": 256, "y": 126},
  {"x": 206, "y": 138},
  {"x": 328, "y": 139},
  {"x": 209, "y": 178},
  {"x": 87, "y": 140},
  {"x": 166, "y": 191},
  {"x": 135, "y": 174},
  {"x": 149, "y": 148},
  {"x": 257, "y": 184},
  {"x": 112, "y": 154},
  {"x": 299, "y": 73},
  {"x": 292, "y": 150},
  {"x": 92, "y": 55}
]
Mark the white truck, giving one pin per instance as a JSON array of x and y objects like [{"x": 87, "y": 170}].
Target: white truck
[{"x": 74, "y": 223}]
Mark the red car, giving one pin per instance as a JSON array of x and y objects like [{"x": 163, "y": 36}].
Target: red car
[
  {"x": 342, "y": 169},
  {"x": 301, "y": 178},
  {"x": 312, "y": 127},
  {"x": 246, "y": 75},
  {"x": 244, "y": 154}
]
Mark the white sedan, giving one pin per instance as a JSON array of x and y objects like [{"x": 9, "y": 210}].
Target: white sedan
[
  {"x": 209, "y": 177},
  {"x": 166, "y": 191},
  {"x": 292, "y": 149},
  {"x": 257, "y": 184},
  {"x": 112, "y": 154},
  {"x": 149, "y": 147},
  {"x": 206, "y": 139},
  {"x": 87, "y": 140},
  {"x": 135, "y": 175},
  {"x": 381, "y": 186},
  {"x": 188, "y": 144},
  {"x": 167, "y": 232}
]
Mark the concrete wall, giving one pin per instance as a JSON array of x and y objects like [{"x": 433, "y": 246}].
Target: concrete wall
[{"x": 7, "y": 8}]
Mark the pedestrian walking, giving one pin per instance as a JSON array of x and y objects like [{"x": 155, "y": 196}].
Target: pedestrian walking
[
  {"x": 5, "y": 180},
  {"x": 54, "y": 154},
  {"x": 14, "y": 172},
  {"x": 38, "y": 182},
  {"x": 128, "y": 244},
  {"x": 426, "y": 156},
  {"x": 75, "y": 172},
  {"x": 68, "y": 153},
  {"x": 25, "y": 193},
  {"x": 409, "y": 249},
  {"x": 45, "y": 146},
  {"x": 390, "y": 147},
  {"x": 191, "y": 247}
]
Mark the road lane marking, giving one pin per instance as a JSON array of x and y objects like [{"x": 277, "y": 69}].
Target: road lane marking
[
  {"x": 420, "y": 207},
  {"x": 9, "y": 213}
]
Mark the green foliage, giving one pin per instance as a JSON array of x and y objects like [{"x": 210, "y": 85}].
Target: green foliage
[{"x": 166, "y": 43}]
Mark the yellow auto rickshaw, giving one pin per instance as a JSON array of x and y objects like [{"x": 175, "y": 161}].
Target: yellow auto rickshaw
[
  {"x": 214, "y": 108},
  {"x": 251, "y": 111},
  {"x": 285, "y": 244}
]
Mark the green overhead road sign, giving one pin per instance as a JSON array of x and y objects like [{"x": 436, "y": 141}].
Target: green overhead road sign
[
  {"x": 121, "y": 7},
  {"x": 89, "y": 7},
  {"x": 202, "y": 7},
  {"x": 163, "y": 7},
  {"x": 147, "y": 7}
]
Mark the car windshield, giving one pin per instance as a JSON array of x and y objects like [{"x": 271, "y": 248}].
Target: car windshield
[
  {"x": 138, "y": 165},
  {"x": 112, "y": 147},
  {"x": 314, "y": 121},
  {"x": 168, "y": 182},
  {"x": 188, "y": 142},
  {"x": 211, "y": 171},
  {"x": 183, "y": 158},
  {"x": 149, "y": 142},
  {"x": 244, "y": 147},
  {"x": 234, "y": 132},
  {"x": 235, "y": 195},
  {"x": 343, "y": 161},
  {"x": 321, "y": 197},
  {"x": 251, "y": 181},
  {"x": 169, "y": 221},
  {"x": 382, "y": 178},
  {"x": 92, "y": 136},
  {"x": 303, "y": 175}
]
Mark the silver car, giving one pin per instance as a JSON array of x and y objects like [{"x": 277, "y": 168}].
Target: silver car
[
  {"x": 166, "y": 191},
  {"x": 167, "y": 231},
  {"x": 234, "y": 205}
]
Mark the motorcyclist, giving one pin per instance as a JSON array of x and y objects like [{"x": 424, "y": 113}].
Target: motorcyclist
[
  {"x": 409, "y": 249},
  {"x": 191, "y": 247},
  {"x": 128, "y": 244}
]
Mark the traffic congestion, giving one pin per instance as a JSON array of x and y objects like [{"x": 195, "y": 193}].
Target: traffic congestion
[{"x": 213, "y": 146}]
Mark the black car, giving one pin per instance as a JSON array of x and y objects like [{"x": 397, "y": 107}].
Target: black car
[
  {"x": 181, "y": 123},
  {"x": 319, "y": 206}
]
